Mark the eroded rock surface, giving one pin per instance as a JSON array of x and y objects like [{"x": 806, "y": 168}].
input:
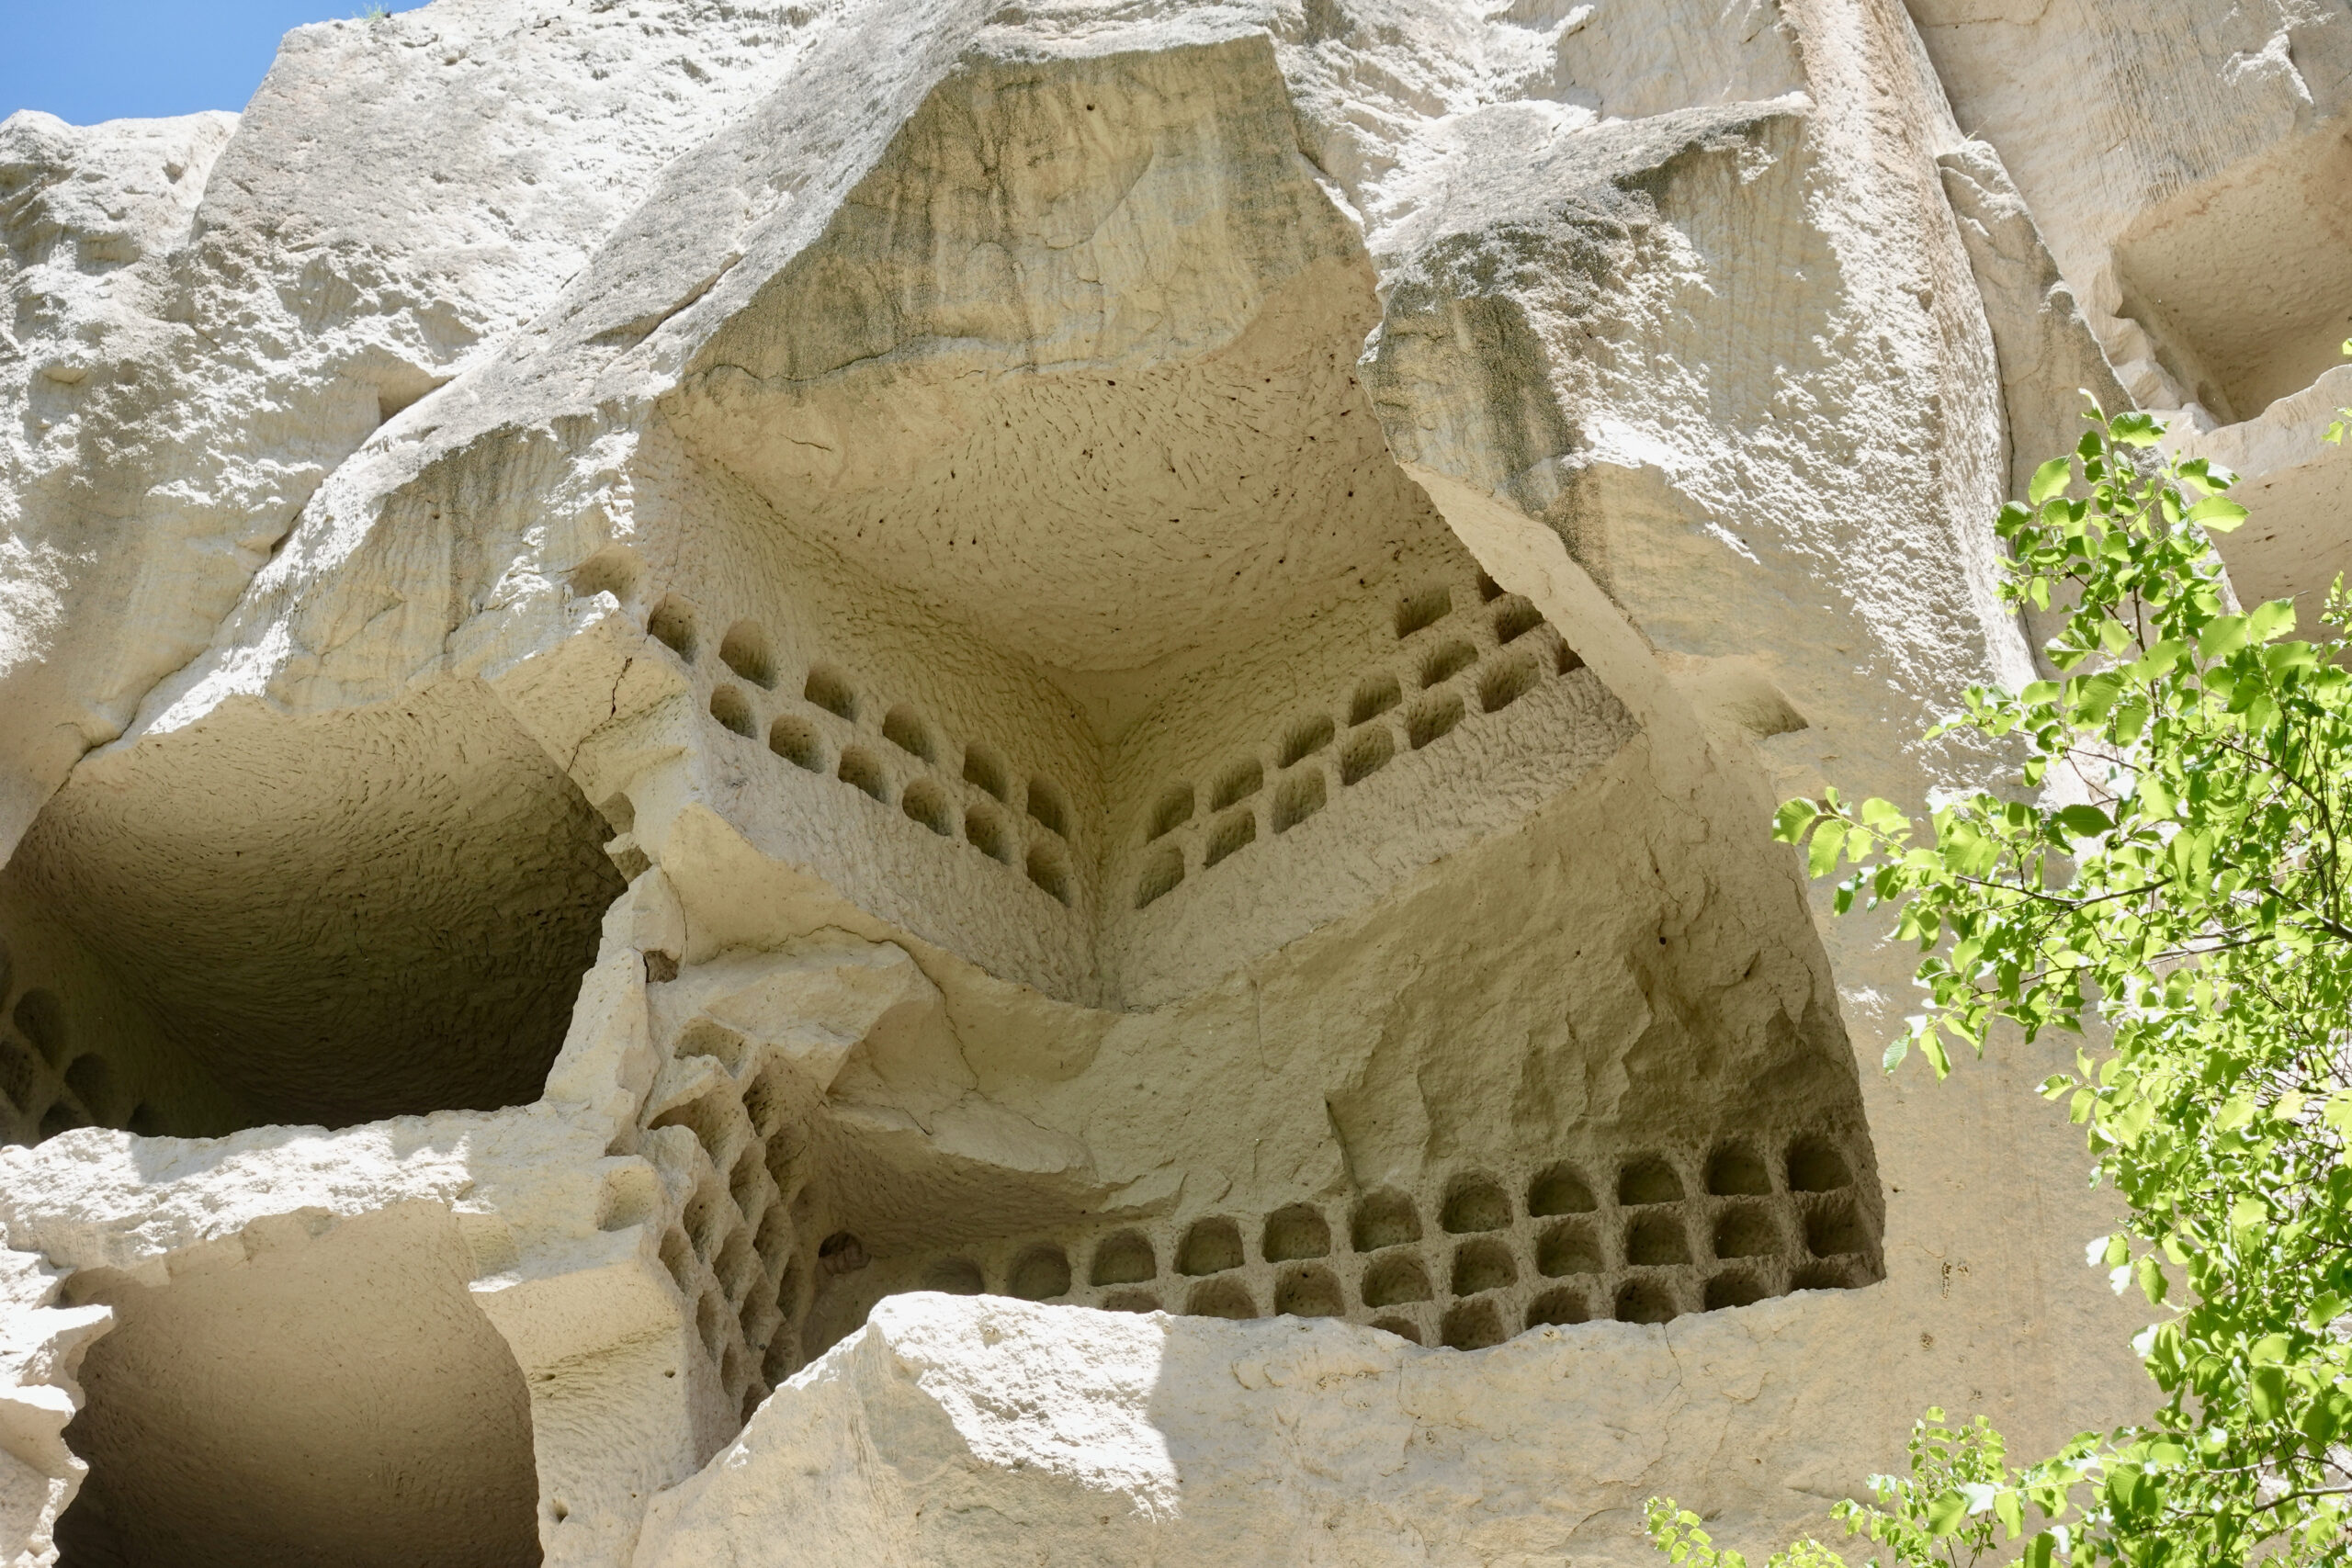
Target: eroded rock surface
[
  {"x": 2186, "y": 163},
  {"x": 939, "y": 783}
]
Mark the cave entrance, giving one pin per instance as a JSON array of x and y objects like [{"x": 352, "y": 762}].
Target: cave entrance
[
  {"x": 328, "y": 1398},
  {"x": 334, "y": 919}
]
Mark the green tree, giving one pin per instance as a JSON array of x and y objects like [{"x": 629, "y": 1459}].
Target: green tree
[{"x": 2174, "y": 863}]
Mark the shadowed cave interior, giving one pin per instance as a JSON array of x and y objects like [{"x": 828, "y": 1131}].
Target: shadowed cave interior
[{"x": 263, "y": 920}]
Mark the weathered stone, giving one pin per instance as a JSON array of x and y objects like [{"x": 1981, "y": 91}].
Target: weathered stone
[
  {"x": 680, "y": 680},
  {"x": 2188, "y": 163}
]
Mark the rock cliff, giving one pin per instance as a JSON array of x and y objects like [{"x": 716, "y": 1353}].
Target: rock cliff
[{"x": 948, "y": 783}]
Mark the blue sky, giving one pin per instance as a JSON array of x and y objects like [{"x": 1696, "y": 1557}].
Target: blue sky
[{"x": 92, "y": 60}]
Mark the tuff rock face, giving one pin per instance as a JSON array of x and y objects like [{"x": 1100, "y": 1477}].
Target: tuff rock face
[{"x": 954, "y": 784}]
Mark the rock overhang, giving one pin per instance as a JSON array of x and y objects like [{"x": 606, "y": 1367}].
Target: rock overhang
[{"x": 1074, "y": 362}]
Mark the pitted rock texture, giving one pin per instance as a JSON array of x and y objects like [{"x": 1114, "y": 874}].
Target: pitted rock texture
[{"x": 952, "y": 784}]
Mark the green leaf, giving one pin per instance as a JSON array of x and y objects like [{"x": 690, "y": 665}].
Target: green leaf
[
  {"x": 2050, "y": 479},
  {"x": 2094, "y": 696},
  {"x": 1821, "y": 857},
  {"x": 2085, "y": 821},
  {"x": 1883, "y": 817},
  {"x": 2272, "y": 620},
  {"x": 2160, "y": 659},
  {"x": 2152, "y": 1281},
  {"x": 1790, "y": 822},
  {"x": 1946, "y": 1513},
  {"x": 2216, "y": 514},
  {"x": 2268, "y": 1390},
  {"x": 2222, "y": 637},
  {"x": 1931, "y": 1046},
  {"x": 2126, "y": 1122}
]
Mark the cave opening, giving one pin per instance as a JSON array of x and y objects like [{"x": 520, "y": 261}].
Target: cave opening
[{"x": 322, "y": 919}]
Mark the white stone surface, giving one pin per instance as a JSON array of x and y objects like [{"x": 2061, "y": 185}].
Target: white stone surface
[
  {"x": 2297, "y": 486},
  {"x": 1182, "y": 622},
  {"x": 993, "y": 1431},
  {"x": 2187, "y": 162},
  {"x": 195, "y": 354}
]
